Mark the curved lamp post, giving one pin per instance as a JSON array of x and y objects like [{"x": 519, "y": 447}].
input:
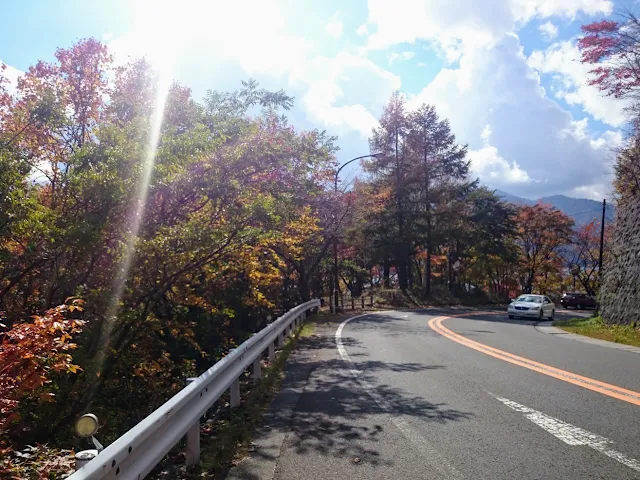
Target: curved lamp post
[{"x": 336, "y": 286}]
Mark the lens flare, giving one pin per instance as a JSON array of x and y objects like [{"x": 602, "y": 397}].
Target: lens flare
[{"x": 137, "y": 212}]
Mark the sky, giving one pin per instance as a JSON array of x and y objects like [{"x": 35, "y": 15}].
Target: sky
[{"x": 506, "y": 73}]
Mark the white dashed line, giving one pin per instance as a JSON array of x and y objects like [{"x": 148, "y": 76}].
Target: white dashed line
[{"x": 572, "y": 435}]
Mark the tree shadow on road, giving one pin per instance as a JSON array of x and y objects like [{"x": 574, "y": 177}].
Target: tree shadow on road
[{"x": 337, "y": 417}]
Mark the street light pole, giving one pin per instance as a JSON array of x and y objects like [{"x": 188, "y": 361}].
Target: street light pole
[
  {"x": 336, "y": 283},
  {"x": 604, "y": 212}
]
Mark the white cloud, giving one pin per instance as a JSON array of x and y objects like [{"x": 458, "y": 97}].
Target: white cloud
[
  {"x": 330, "y": 91},
  {"x": 259, "y": 42},
  {"x": 525, "y": 10},
  {"x": 406, "y": 55},
  {"x": 486, "y": 133},
  {"x": 487, "y": 164},
  {"x": 595, "y": 191},
  {"x": 548, "y": 31},
  {"x": 337, "y": 97},
  {"x": 334, "y": 27},
  {"x": 562, "y": 60},
  {"x": 422, "y": 64},
  {"x": 458, "y": 25},
  {"x": 494, "y": 98},
  {"x": 517, "y": 135},
  {"x": 11, "y": 74}
]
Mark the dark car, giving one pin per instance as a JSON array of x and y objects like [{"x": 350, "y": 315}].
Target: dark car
[{"x": 578, "y": 300}]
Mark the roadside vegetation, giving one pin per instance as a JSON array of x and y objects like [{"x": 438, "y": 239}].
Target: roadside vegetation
[
  {"x": 141, "y": 240},
  {"x": 595, "y": 327}
]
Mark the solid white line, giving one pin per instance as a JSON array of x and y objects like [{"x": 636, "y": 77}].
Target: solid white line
[
  {"x": 572, "y": 435},
  {"x": 433, "y": 456}
]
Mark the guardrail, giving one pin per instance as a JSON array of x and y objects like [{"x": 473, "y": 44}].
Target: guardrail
[{"x": 137, "y": 452}]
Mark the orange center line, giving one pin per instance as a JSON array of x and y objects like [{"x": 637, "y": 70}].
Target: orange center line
[{"x": 585, "y": 382}]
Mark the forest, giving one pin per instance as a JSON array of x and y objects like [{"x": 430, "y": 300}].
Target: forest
[{"x": 144, "y": 233}]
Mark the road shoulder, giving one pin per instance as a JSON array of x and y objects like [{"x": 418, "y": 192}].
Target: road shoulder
[
  {"x": 546, "y": 327},
  {"x": 268, "y": 439}
]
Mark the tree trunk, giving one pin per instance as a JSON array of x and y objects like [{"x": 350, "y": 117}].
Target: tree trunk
[
  {"x": 427, "y": 276},
  {"x": 402, "y": 275},
  {"x": 303, "y": 285},
  {"x": 386, "y": 274},
  {"x": 449, "y": 272},
  {"x": 427, "y": 211}
]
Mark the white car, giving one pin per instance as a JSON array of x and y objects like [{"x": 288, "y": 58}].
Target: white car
[{"x": 532, "y": 306}]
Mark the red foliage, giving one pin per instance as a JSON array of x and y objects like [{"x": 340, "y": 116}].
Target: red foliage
[
  {"x": 614, "y": 48},
  {"x": 29, "y": 352},
  {"x": 601, "y": 26}
]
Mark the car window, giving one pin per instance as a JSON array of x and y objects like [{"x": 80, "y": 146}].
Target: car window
[
  {"x": 546, "y": 300},
  {"x": 529, "y": 298}
]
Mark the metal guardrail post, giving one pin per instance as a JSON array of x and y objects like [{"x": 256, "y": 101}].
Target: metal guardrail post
[
  {"x": 257, "y": 368},
  {"x": 234, "y": 392},
  {"x": 192, "y": 452},
  {"x": 281, "y": 340},
  {"x": 272, "y": 352}
]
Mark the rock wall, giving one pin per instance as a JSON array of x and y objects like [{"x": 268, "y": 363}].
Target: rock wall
[{"x": 620, "y": 292}]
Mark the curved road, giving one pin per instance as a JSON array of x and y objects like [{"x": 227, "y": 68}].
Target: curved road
[{"x": 425, "y": 394}]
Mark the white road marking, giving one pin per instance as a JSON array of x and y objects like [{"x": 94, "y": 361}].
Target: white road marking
[
  {"x": 572, "y": 435},
  {"x": 433, "y": 456}
]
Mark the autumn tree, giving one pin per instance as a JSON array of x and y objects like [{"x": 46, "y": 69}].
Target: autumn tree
[
  {"x": 483, "y": 243},
  {"x": 582, "y": 255},
  {"x": 613, "y": 48},
  {"x": 235, "y": 228},
  {"x": 540, "y": 231},
  {"x": 391, "y": 171},
  {"x": 423, "y": 172},
  {"x": 439, "y": 169}
]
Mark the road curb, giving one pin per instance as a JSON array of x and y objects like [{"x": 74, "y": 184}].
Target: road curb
[{"x": 547, "y": 328}]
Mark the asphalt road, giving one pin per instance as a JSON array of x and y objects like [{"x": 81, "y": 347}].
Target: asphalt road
[{"x": 397, "y": 399}]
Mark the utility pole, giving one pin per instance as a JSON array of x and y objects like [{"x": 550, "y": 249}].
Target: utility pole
[
  {"x": 604, "y": 207},
  {"x": 336, "y": 284}
]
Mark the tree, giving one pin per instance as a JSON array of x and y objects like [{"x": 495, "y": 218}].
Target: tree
[
  {"x": 391, "y": 169},
  {"x": 438, "y": 164},
  {"x": 615, "y": 48},
  {"x": 540, "y": 231},
  {"x": 581, "y": 257},
  {"x": 485, "y": 244},
  {"x": 235, "y": 229}
]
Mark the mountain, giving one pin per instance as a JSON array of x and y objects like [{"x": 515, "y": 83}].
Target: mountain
[{"x": 582, "y": 210}]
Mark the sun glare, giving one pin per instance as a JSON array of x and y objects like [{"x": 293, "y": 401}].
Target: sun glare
[{"x": 162, "y": 58}]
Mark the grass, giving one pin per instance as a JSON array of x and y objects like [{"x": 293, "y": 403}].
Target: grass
[{"x": 596, "y": 328}]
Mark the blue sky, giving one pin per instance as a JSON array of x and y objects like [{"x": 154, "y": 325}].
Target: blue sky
[{"x": 505, "y": 72}]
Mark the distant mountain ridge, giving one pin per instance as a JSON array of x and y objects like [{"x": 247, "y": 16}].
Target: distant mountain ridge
[{"x": 582, "y": 210}]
